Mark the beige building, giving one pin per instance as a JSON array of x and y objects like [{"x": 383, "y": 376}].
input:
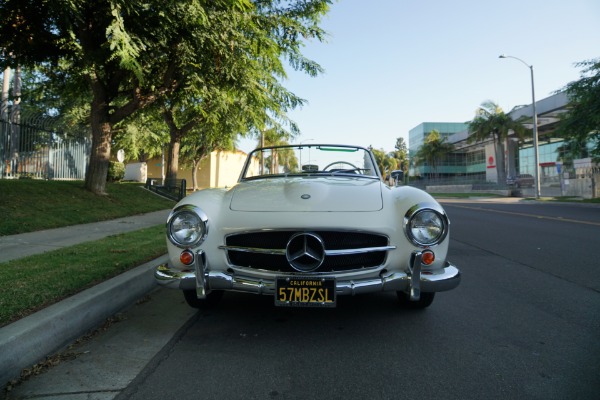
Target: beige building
[{"x": 220, "y": 169}]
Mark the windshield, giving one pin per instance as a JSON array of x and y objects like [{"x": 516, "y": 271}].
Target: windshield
[{"x": 310, "y": 160}]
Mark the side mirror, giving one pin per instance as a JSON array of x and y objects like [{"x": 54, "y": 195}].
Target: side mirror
[{"x": 397, "y": 176}]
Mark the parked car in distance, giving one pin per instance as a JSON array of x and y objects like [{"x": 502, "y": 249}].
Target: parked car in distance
[
  {"x": 304, "y": 225},
  {"x": 521, "y": 180}
]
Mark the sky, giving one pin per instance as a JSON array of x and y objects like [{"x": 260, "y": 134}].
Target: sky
[{"x": 392, "y": 64}]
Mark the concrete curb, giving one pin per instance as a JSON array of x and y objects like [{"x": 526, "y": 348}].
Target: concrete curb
[{"x": 27, "y": 341}]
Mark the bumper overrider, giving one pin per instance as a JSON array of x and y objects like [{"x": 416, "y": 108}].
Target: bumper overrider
[{"x": 412, "y": 281}]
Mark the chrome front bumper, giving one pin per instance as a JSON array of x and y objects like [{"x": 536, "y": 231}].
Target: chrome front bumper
[{"x": 413, "y": 281}]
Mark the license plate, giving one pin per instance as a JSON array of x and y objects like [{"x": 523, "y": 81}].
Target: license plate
[{"x": 305, "y": 292}]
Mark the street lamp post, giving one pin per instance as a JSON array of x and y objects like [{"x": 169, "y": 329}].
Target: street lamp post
[{"x": 535, "y": 128}]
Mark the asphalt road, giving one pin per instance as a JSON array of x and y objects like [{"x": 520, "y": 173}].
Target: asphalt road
[
  {"x": 560, "y": 239},
  {"x": 523, "y": 324}
]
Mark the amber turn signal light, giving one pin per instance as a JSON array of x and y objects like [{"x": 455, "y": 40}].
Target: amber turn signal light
[
  {"x": 428, "y": 257},
  {"x": 186, "y": 257}
]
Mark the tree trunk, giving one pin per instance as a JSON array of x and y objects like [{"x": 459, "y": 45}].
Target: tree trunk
[
  {"x": 195, "y": 164},
  {"x": 500, "y": 161},
  {"x": 173, "y": 157},
  {"x": 97, "y": 169}
]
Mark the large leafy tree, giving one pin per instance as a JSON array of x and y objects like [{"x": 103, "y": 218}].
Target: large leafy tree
[
  {"x": 250, "y": 91},
  {"x": 124, "y": 54},
  {"x": 45, "y": 95},
  {"x": 127, "y": 54},
  {"x": 142, "y": 137},
  {"x": 434, "y": 149},
  {"x": 582, "y": 122},
  {"x": 573, "y": 148},
  {"x": 491, "y": 121}
]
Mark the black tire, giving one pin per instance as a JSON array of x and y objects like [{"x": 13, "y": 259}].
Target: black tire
[
  {"x": 211, "y": 300},
  {"x": 424, "y": 301}
]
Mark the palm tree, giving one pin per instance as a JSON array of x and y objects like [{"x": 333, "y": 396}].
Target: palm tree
[
  {"x": 491, "y": 120},
  {"x": 386, "y": 162},
  {"x": 285, "y": 157},
  {"x": 434, "y": 149}
]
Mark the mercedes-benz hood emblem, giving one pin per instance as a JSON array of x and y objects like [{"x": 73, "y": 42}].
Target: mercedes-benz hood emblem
[{"x": 305, "y": 251}]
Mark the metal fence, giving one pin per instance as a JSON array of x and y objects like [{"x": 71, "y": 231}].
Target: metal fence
[
  {"x": 582, "y": 182},
  {"x": 31, "y": 148},
  {"x": 174, "y": 189},
  {"x": 478, "y": 182},
  {"x": 586, "y": 172}
]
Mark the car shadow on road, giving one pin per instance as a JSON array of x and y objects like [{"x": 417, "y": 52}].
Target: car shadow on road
[{"x": 255, "y": 316}]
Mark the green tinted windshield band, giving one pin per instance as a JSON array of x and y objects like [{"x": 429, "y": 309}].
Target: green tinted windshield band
[{"x": 338, "y": 149}]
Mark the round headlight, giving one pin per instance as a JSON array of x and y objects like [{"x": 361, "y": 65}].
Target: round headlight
[
  {"x": 426, "y": 227},
  {"x": 187, "y": 226}
]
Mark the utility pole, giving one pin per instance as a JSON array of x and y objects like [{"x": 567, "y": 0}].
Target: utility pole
[{"x": 536, "y": 154}]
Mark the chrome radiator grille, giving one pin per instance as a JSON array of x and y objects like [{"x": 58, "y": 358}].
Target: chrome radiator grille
[{"x": 333, "y": 250}]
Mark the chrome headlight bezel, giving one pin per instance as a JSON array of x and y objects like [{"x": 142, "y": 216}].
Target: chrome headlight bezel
[
  {"x": 436, "y": 224},
  {"x": 196, "y": 226}
]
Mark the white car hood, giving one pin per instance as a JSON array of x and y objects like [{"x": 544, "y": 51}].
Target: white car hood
[{"x": 316, "y": 194}]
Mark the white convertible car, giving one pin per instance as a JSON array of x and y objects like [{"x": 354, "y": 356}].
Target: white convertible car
[{"x": 306, "y": 224}]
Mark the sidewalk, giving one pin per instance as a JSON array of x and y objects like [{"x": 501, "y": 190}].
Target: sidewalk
[
  {"x": 27, "y": 244},
  {"x": 29, "y": 340}
]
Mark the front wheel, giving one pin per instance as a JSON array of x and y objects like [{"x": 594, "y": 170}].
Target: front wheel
[
  {"x": 211, "y": 300},
  {"x": 424, "y": 301}
]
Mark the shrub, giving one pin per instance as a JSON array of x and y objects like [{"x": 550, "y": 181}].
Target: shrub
[{"x": 116, "y": 171}]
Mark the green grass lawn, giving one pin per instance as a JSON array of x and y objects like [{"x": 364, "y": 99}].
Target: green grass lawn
[
  {"x": 28, "y": 205},
  {"x": 568, "y": 199},
  {"x": 462, "y": 195},
  {"x": 32, "y": 283}
]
